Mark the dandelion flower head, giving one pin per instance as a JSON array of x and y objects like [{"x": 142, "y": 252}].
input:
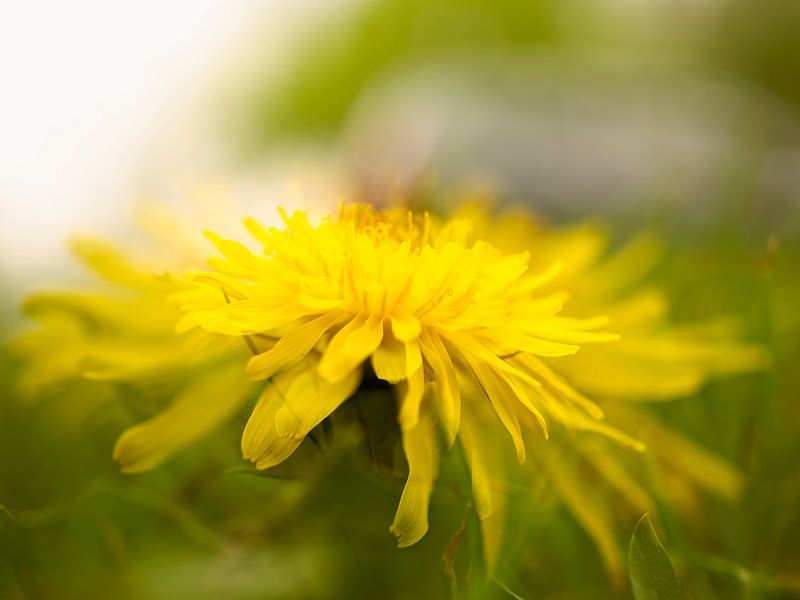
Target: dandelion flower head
[{"x": 430, "y": 311}]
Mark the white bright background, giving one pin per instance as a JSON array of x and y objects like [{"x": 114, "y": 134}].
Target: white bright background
[{"x": 89, "y": 91}]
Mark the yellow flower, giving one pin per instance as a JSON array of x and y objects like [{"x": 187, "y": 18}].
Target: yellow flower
[
  {"x": 429, "y": 311},
  {"x": 492, "y": 332}
]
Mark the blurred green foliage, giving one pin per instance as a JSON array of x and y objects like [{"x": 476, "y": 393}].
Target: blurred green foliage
[
  {"x": 325, "y": 79},
  {"x": 755, "y": 43}
]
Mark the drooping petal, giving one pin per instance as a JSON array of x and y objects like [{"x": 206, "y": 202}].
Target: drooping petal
[
  {"x": 486, "y": 467},
  {"x": 291, "y": 348},
  {"x": 351, "y": 346},
  {"x": 588, "y": 509},
  {"x": 394, "y": 360},
  {"x": 200, "y": 407},
  {"x": 411, "y": 392},
  {"x": 291, "y": 405},
  {"x": 615, "y": 472},
  {"x": 468, "y": 344},
  {"x": 697, "y": 464},
  {"x": 310, "y": 399},
  {"x": 411, "y": 520},
  {"x": 249, "y": 316},
  {"x": 502, "y": 382},
  {"x": 406, "y": 327},
  {"x": 260, "y": 442},
  {"x": 413, "y": 356},
  {"x": 501, "y": 399},
  {"x": 444, "y": 374},
  {"x": 537, "y": 367}
]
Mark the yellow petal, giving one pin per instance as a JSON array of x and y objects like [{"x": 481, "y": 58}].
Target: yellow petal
[
  {"x": 260, "y": 442},
  {"x": 319, "y": 304},
  {"x": 184, "y": 324},
  {"x": 351, "y": 346},
  {"x": 690, "y": 459},
  {"x": 406, "y": 327},
  {"x": 238, "y": 254},
  {"x": 502, "y": 400},
  {"x": 588, "y": 509},
  {"x": 486, "y": 468},
  {"x": 641, "y": 311},
  {"x": 502, "y": 382},
  {"x": 614, "y": 471},
  {"x": 541, "y": 308},
  {"x": 411, "y": 520},
  {"x": 111, "y": 264},
  {"x": 606, "y": 373},
  {"x": 249, "y": 316},
  {"x": 467, "y": 344},
  {"x": 627, "y": 267},
  {"x": 394, "y": 360},
  {"x": 537, "y": 367},
  {"x": 572, "y": 331},
  {"x": 389, "y": 360},
  {"x": 291, "y": 347},
  {"x": 411, "y": 391},
  {"x": 309, "y": 400},
  {"x": 516, "y": 340},
  {"x": 611, "y": 433},
  {"x": 290, "y": 406},
  {"x": 197, "y": 409},
  {"x": 533, "y": 282},
  {"x": 413, "y": 356},
  {"x": 447, "y": 390},
  {"x": 230, "y": 287}
]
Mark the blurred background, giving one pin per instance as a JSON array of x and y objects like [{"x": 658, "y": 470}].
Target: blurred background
[
  {"x": 631, "y": 109},
  {"x": 678, "y": 116},
  {"x": 105, "y": 107}
]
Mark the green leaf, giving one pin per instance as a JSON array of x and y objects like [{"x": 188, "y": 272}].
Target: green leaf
[{"x": 651, "y": 571}]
